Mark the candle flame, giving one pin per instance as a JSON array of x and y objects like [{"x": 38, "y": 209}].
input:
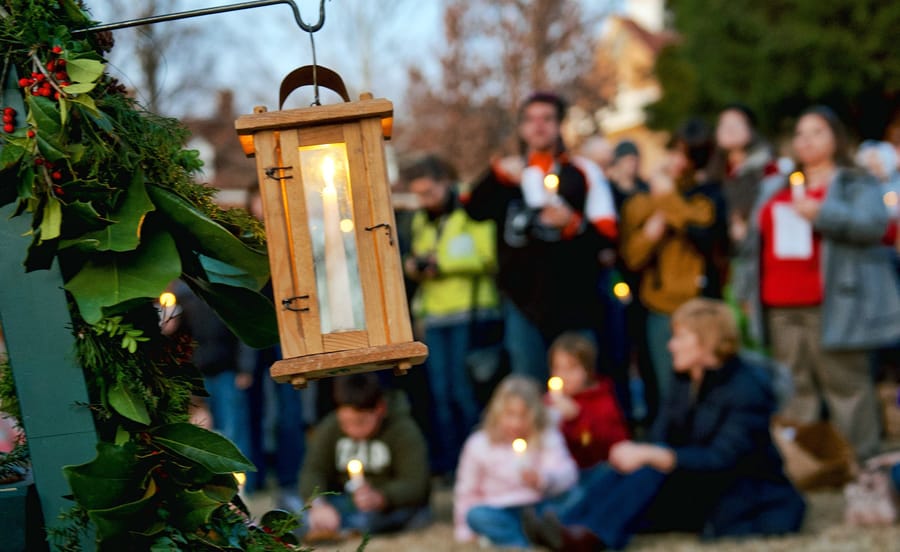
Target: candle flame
[
  {"x": 519, "y": 446},
  {"x": 551, "y": 182},
  {"x": 167, "y": 299},
  {"x": 554, "y": 384},
  {"x": 797, "y": 178},
  {"x": 354, "y": 467},
  {"x": 622, "y": 290},
  {"x": 346, "y": 225},
  {"x": 240, "y": 477},
  {"x": 891, "y": 199}
]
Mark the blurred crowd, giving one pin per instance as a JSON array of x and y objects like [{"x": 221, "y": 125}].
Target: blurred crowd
[{"x": 604, "y": 341}]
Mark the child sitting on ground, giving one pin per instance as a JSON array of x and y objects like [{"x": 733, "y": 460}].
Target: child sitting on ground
[
  {"x": 517, "y": 459},
  {"x": 375, "y": 429},
  {"x": 590, "y": 418}
]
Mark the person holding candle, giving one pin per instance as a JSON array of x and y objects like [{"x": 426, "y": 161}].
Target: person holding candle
[
  {"x": 554, "y": 213},
  {"x": 676, "y": 236},
  {"x": 826, "y": 291},
  {"x": 370, "y": 453},
  {"x": 453, "y": 259},
  {"x": 589, "y": 416},
  {"x": 518, "y": 458},
  {"x": 710, "y": 466}
]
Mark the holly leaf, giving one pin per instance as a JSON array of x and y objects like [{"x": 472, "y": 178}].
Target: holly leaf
[
  {"x": 135, "y": 516},
  {"x": 80, "y": 87},
  {"x": 88, "y": 103},
  {"x": 10, "y": 154},
  {"x": 222, "y": 487},
  {"x": 45, "y": 114},
  {"x": 50, "y": 149},
  {"x": 191, "y": 509},
  {"x": 125, "y": 233},
  {"x": 202, "y": 234},
  {"x": 111, "y": 478},
  {"x": 126, "y": 403},
  {"x": 210, "y": 450},
  {"x": 108, "y": 279},
  {"x": 51, "y": 219},
  {"x": 84, "y": 70}
]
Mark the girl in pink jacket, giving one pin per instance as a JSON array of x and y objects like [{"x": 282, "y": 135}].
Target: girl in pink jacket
[{"x": 517, "y": 459}]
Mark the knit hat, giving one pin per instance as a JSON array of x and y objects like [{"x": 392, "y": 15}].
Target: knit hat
[{"x": 623, "y": 148}]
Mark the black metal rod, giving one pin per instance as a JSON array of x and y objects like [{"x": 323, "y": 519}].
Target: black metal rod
[{"x": 209, "y": 11}]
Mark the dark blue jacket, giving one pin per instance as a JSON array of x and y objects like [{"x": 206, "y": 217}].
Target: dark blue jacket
[{"x": 724, "y": 435}]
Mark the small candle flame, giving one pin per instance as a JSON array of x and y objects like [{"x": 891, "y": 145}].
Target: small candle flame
[
  {"x": 554, "y": 384},
  {"x": 167, "y": 299},
  {"x": 797, "y": 178},
  {"x": 622, "y": 290},
  {"x": 354, "y": 467},
  {"x": 551, "y": 183},
  {"x": 240, "y": 477},
  {"x": 519, "y": 446}
]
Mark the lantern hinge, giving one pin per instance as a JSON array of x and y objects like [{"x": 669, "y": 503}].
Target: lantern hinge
[
  {"x": 270, "y": 173},
  {"x": 287, "y": 303},
  {"x": 387, "y": 229}
]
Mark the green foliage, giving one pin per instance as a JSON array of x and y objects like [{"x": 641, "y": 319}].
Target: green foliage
[
  {"x": 110, "y": 192},
  {"x": 779, "y": 57}
]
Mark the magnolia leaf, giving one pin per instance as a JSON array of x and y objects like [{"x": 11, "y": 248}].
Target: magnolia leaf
[
  {"x": 51, "y": 220},
  {"x": 46, "y": 115},
  {"x": 80, "y": 87},
  {"x": 209, "y": 237},
  {"x": 212, "y": 451},
  {"x": 126, "y": 403},
  {"x": 218, "y": 272},
  {"x": 84, "y": 70},
  {"x": 191, "y": 509},
  {"x": 112, "y": 477},
  {"x": 248, "y": 314},
  {"x": 132, "y": 516},
  {"x": 125, "y": 233},
  {"x": 112, "y": 278}
]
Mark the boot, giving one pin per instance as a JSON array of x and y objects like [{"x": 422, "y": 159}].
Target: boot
[{"x": 548, "y": 531}]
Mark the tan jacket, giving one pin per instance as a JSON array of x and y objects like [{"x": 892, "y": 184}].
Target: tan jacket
[{"x": 672, "y": 269}]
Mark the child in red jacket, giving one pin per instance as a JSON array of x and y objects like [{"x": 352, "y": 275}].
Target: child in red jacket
[{"x": 589, "y": 416}]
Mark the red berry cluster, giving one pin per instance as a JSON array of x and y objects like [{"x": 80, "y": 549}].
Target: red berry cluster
[
  {"x": 53, "y": 171},
  {"x": 39, "y": 83},
  {"x": 9, "y": 120}
]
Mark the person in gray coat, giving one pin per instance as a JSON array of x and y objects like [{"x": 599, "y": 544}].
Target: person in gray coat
[{"x": 818, "y": 285}]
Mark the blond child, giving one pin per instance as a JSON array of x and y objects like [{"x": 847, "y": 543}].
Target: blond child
[
  {"x": 517, "y": 459},
  {"x": 589, "y": 416}
]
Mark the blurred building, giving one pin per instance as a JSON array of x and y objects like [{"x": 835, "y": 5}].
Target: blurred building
[
  {"x": 225, "y": 166},
  {"x": 633, "y": 41}
]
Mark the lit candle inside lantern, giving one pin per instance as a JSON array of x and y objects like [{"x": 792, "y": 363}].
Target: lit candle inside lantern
[
  {"x": 798, "y": 189},
  {"x": 551, "y": 185},
  {"x": 337, "y": 274},
  {"x": 520, "y": 447},
  {"x": 555, "y": 386},
  {"x": 355, "y": 471},
  {"x": 167, "y": 301}
]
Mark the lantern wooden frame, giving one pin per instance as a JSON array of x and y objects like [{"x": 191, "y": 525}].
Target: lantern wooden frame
[{"x": 277, "y": 140}]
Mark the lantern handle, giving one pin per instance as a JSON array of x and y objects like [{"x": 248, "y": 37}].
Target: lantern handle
[{"x": 309, "y": 75}]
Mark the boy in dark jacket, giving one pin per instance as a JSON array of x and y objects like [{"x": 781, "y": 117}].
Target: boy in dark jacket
[{"x": 374, "y": 434}]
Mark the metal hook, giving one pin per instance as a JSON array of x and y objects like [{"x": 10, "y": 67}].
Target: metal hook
[
  {"x": 210, "y": 11},
  {"x": 387, "y": 229}
]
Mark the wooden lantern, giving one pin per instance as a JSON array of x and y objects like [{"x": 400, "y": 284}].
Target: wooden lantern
[{"x": 336, "y": 272}]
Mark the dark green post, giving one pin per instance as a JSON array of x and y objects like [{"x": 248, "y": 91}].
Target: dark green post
[{"x": 49, "y": 382}]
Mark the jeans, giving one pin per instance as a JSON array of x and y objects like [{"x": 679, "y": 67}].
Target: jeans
[
  {"x": 659, "y": 331},
  {"x": 378, "y": 522},
  {"x": 525, "y": 344},
  {"x": 502, "y": 526},
  {"x": 453, "y": 400},
  {"x": 228, "y": 406},
  {"x": 609, "y": 503}
]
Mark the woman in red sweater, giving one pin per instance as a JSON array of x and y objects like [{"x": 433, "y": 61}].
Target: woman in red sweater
[
  {"x": 825, "y": 287},
  {"x": 590, "y": 418}
]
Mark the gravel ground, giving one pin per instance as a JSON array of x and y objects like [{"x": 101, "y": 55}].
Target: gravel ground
[{"x": 824, "y": 531}]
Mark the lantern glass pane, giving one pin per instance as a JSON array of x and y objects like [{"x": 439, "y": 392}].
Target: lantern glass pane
[{"x": 326, "y": 182}]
